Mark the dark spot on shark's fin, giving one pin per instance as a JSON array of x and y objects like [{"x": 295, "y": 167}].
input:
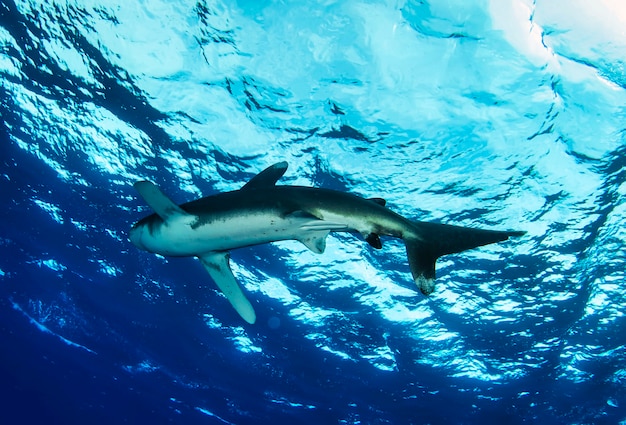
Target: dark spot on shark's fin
[
  {"x": 217, "y": 265},
  {"x": 379, "y": 201},
  {"x": 315, "y": 240},
  {"x": 267, "y": 177},
  {"x": 374, "y": 240}
]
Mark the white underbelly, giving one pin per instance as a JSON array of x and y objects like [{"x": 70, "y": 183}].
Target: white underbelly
[{"x": 181, "y": 239}]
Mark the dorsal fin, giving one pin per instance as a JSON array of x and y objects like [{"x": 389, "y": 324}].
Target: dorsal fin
[{"x": 267, "y": 177}]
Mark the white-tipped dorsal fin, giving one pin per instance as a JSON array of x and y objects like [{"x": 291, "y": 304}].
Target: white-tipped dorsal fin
[
  {"x": 216, "y": 264},
  {"x": 267, "y": 177},
  {"x": 158, "y": 201}
]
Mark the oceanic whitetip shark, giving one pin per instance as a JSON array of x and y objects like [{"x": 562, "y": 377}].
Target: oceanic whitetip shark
[{"x": 262, "y": 212}]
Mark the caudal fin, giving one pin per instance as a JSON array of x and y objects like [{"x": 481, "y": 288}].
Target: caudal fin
[{"x": 433, "y": 240}]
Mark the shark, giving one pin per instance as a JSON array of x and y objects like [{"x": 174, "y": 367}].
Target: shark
[{"x": 262, "y": 211}]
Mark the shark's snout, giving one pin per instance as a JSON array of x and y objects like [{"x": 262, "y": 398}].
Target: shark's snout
[{"x": 135, "y": 234}]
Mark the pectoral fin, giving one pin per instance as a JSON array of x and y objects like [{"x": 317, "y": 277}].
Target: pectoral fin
[
  {"x": 160, "y": 203},
  {"x": 218, "y": 267}
]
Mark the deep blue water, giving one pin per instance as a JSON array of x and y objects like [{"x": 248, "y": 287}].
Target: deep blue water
[{"x": 502, "y": 115}]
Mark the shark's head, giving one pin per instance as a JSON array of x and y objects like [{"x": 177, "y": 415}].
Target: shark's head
[{"x": 136, "y": 235}]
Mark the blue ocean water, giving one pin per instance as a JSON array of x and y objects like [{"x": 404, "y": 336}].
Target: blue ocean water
[{"x": 491, "y": 114}]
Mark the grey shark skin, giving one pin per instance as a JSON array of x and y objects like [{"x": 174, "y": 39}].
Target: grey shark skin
[{"x": 262, "y": 212}]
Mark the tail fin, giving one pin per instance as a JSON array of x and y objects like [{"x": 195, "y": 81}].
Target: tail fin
[{"x": 433, "y": 240}]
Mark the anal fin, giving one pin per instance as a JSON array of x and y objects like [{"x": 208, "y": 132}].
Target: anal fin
[
  {"x": 374, "y": 240},
  {"x": 217, "y": 265}
]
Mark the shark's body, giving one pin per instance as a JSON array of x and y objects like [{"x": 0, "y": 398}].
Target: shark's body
[{"x": 261, "y": 212}]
